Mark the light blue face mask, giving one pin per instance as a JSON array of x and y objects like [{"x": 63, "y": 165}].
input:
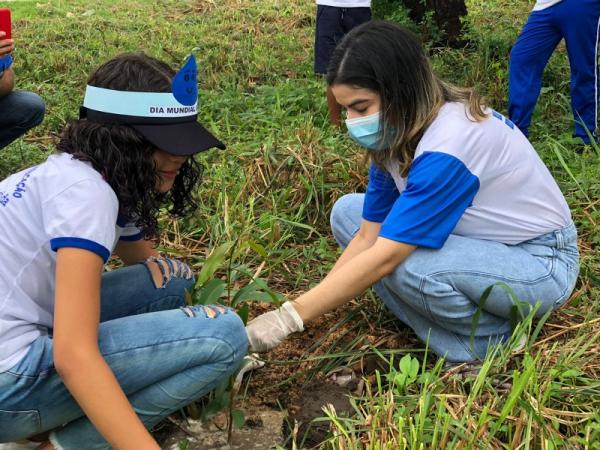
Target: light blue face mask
[{"x": 365, "y": 131}]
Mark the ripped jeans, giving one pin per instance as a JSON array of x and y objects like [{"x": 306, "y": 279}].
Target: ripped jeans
[{"x": 163, "y": 353}]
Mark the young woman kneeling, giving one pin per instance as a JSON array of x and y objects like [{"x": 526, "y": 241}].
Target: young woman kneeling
[
  {"x": 457, "y": 201},
  {"x": 95, "y": 357}
]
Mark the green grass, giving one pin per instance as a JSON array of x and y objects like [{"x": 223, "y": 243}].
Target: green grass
[{"x": 284, "y": 167}]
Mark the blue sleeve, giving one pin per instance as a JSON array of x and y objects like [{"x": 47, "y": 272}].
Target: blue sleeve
[
  {"x": 439, "y": 190},
  {"x": 381, "y": 195},
  {"x": 84, "y": 244},
  {"x": 128, "y": 231},
  {"x": 5, "y": 62}
]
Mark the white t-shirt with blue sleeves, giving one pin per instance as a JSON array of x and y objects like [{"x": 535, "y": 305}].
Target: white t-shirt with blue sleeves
[
  {"x": 481, "y": 180},
  {"x": 62, "y": 202}
]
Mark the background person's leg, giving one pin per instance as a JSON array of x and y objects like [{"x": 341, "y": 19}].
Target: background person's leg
[
  {"x": 328, "y": 33},
  {"x": 19, "y": 112},
  {"x": 353, "y": 17},
  {"x": 528, "y": 57},
  {"x": 348, "y": 19},
  {"x": 579, "y": 21}
]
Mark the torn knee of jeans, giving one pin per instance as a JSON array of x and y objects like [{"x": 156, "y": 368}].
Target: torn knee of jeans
[
  {"x": 210, "y": 311},
  {"x": 165, "y": 269}
]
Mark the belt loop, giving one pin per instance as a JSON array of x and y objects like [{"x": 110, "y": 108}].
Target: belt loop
[{"x": 560, "y": 238}]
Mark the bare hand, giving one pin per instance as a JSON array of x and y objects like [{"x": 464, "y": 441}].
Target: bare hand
[{"x": 6, "y": 45}]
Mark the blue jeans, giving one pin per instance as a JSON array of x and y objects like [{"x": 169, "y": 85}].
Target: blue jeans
[
  {"x": 437, "y": 292},
  {"x": 19, "y": 112},
  {"x": 577, "y": 22},
  {"x": 163, "y": 353}
]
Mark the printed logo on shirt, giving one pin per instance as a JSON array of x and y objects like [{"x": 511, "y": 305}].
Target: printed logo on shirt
[
  {"x": 3, "y": 198},
  {"x": 507, "y": 121},
  {"x": 21, "y": 186}
]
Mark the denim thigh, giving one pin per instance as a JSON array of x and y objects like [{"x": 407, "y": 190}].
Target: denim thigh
[{"x": 19, "y": 111}]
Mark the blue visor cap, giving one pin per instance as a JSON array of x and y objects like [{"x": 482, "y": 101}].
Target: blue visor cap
[{"x": 168, "y": 120}]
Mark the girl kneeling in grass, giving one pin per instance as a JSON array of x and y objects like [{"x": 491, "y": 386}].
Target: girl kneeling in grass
[
  {"x": 457, "y": 201},
  {"x": 98, "y": 358}
]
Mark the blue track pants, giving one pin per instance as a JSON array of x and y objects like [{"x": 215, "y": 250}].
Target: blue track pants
[{"x": 577, "y": 21}]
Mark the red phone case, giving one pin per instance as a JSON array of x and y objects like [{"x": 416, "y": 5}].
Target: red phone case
[{"x": 5, "y": 22}]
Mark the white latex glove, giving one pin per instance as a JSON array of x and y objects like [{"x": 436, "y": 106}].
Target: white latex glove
[
  {"x": 268, "y": 330},
  {"x": 251, "y": 362}
]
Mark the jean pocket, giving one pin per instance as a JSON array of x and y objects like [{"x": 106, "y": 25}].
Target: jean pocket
[{"x": 16, "y": 425}]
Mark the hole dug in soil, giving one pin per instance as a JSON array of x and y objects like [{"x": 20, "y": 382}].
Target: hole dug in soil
[
  {"x": 300, "y": 425},
  {"x": 261, "y": 431}
]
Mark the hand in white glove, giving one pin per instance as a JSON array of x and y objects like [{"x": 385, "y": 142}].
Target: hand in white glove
[
  {"x": 268, "y": 330},
  {"x": 251, "y": 362}
]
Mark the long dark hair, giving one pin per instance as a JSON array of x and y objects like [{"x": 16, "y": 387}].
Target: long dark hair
[
  {"x": 122, "y": 155},
  {"x": 389, "y": 60}
]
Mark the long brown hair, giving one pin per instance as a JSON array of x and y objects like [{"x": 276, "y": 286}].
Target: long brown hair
[{"x": 389, "y": 60}]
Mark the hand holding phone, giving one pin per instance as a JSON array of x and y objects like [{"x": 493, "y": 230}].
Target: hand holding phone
[
  {"x": 7, "y": 45},
  {"x": 5, "y": 23}
]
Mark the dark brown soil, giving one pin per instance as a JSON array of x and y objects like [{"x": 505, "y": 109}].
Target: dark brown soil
[
  {"x": 304, "y": 424},
  {"x": 293, "y": 386},
  {"x": 261, "y": 431},
  {"x": 292, "y": 378}
]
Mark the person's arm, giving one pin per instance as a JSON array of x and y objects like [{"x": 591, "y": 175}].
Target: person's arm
[
  {"x": 7, "y": 82},
  {"x": 7, "y": 76},
  {"x": 78, "y": 359},
  {"x": 364, "y": 239},
  {"x": 439, "y": 189},
  {"x": 132, "y": 252},
  {"x": 352, "y": 278},
  {"x": 359, "y": 268}
]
